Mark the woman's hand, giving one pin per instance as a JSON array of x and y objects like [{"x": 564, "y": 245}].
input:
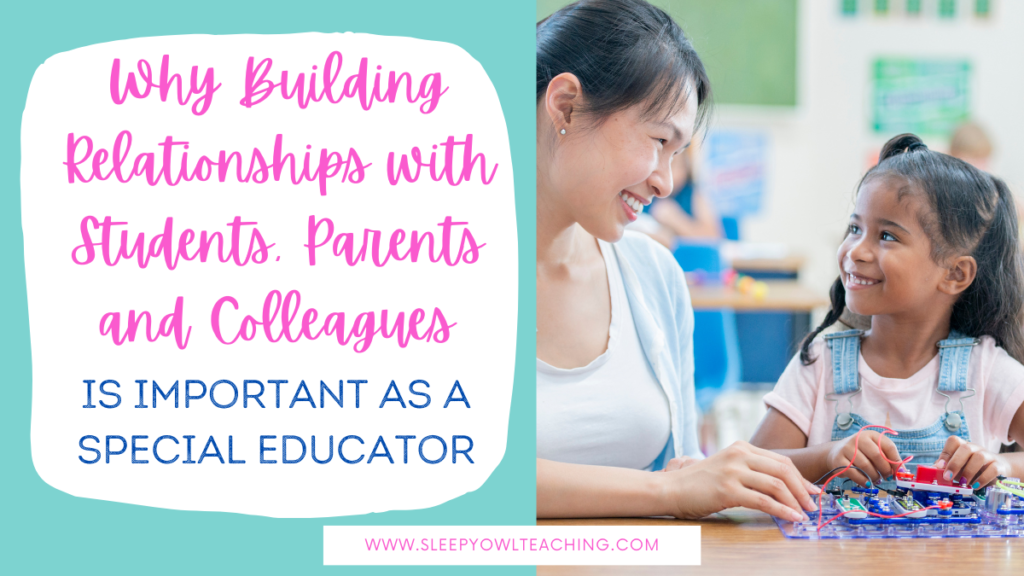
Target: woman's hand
[
  {"x": 677, "y": 463},
  {"x": 868, "y": 458},
  {"x": 740, "y": 475},
  {"x": 962, "y": 459}
]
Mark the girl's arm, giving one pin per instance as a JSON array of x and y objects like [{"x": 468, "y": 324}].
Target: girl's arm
[
  {"x": 1016, "y": 459},
  {"x": 740, "y": 475},
  {"x": 707, "y": 219},
  {"x": 779, "y": 434},
  {"x": 979, "y": 466}
]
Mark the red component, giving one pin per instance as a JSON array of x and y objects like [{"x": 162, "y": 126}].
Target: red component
[
  {"x": 931, "y": 475},
  {"x": 905, "y": 476},
  {"x": 729, "y": 277}
]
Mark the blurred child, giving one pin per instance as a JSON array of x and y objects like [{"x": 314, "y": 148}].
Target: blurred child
[
  {"x": 971, "y": 144},
  {"x": 686, "y": 213},
  {"x": 931, "y": 256}
]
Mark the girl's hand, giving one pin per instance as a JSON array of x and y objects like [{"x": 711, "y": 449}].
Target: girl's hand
[
  {"x": 962, "y": 459},
  {"x": 740, "y": 475},
  {"x": 868, "y": 458}
]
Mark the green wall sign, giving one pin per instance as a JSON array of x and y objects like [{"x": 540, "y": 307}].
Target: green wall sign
[{"x": 920, "y": 96}]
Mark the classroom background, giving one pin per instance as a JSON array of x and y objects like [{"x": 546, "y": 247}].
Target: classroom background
[{"x": 806, "y": 92}]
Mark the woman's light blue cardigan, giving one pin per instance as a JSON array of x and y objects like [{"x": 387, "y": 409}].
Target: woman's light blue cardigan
[{"x": 663, "y": 314}]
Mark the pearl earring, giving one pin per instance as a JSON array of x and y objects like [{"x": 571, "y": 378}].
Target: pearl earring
[{"x": 563, "y": 132}]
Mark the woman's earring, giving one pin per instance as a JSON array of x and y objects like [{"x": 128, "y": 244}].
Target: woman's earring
[{"x": 562, "y": 132}]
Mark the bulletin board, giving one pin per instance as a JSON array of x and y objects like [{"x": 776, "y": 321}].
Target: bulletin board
[
  {"x": 920, "y": 96},
  {"x": 747, "y": 46}
]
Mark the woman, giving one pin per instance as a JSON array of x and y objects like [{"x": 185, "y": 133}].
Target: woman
[{"x": 620, "y": 91}]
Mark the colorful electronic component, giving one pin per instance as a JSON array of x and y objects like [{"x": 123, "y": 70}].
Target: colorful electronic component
[
  {"x": 852, "y": 507},
  {"x": 930, "y": 479},
  {"x": 923, "y": 505},
  {"x": 1001, "y": 502},
  {"x": 960, "y": 508},
  {"x": 905, "y": 504},
  {"x": 900, "y": 515},
  {"x": 879, "y": 506},
  {"x": 931, "y": 501}
]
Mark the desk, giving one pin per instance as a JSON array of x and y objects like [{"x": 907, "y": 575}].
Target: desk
[
  {"x": 787, "y": 267},
  {"x": 769, "y": 330},
  {"x": 746, "y": 542},
  {"x": 782, "y": 295}
]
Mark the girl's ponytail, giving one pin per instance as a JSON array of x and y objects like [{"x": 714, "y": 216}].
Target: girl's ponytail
[
  {"x": 838, "y": 296},
  {"x": 900, "y": 144},
  {"x": 994, "y": 303}
]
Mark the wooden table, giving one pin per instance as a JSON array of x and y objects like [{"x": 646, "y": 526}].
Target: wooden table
[
  {"x": 747, "y": 542},
  {"x": 782, "y": 295},
  {"x": 786, "y": 267}
]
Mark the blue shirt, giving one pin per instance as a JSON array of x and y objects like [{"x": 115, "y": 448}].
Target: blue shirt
[{"x": 660, "y": 303}]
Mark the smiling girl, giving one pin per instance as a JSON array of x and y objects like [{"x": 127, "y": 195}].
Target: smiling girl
[{"x": 931, "y": 256}]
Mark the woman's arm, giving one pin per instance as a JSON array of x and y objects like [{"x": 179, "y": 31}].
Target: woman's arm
[
  {"x": 581, "y": 491},
  {"x": 740, "y": 475}
]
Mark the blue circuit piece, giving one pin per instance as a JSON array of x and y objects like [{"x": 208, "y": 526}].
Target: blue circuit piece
[
  {"x": 929, "y": 498},
  {"x": 1016, "y": 507}
]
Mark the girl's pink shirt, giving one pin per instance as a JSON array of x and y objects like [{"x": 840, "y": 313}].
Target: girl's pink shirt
[{"x": 906, "y": 404}]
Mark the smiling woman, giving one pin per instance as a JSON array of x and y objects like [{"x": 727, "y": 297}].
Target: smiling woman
[{"x": 620, "y": 91}]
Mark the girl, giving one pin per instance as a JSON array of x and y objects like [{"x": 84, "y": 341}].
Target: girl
[
  {"x": 931, "y": 256},
  {"x": 620, "y": 91}
]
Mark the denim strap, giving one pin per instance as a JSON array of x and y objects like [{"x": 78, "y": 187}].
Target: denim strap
[
  {"x": 954, "y": 360},
  {"x": 845, "y": 347}
]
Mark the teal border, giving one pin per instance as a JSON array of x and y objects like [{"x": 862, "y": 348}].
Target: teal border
[{"x": 43, "y": 530}]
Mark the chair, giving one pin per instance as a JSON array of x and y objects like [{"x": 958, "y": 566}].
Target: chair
[{"x": 716, "y": 351}]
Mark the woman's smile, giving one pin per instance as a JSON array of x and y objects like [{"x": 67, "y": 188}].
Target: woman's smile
[{"x": 632, "y": 204}]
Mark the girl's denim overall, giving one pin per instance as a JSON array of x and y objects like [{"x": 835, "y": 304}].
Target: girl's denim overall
[{"x": 925, "y": 444}]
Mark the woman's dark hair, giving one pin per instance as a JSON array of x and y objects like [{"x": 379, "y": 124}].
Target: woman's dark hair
[
  {"x": 623, "y": 52},
  {"x": 972, "y": 213}
]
